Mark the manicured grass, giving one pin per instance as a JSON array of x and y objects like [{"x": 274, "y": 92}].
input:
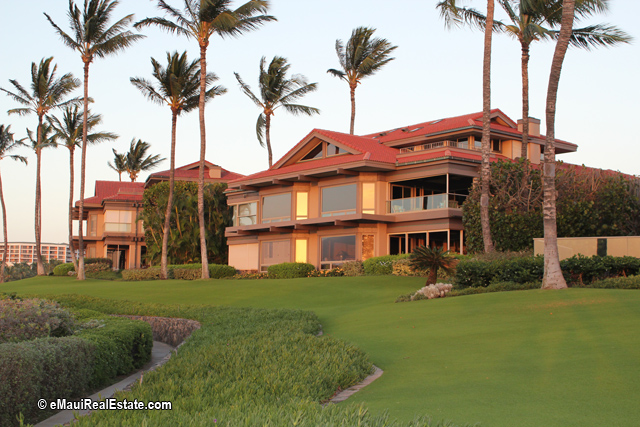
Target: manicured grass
[{"x": 526, "y": 358}]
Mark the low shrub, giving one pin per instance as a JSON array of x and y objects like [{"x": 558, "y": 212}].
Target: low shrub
[
  {"x": 290, "y": 270},
  {"x": 495, "y": 287},
  {"x": 580, "y": 269},
  {"x": 47, "y": 368},
  {"x": 250, "y": 275},
  {"x": 187, "y": 273},
  {"x": 151, "y": 273},
  {"x": 105, "y": 275},
  {"x": 471, "y": 273},
  {"x": 381, "y": 265},
  {"x": 221, "y": 271},
  {"x": 438, "y": 290},
  {"x": 88, "y": 261},
  {"x": 353, "y": 268},
  {"x": 334, "y": 272},
  {"x": 97, "y": 267},
  {"x": 631, "y": 282},
  {"x": 519, "y": 270},
  {"x": 63, "y": 269},
  {"x": 402, "y": 267},
  {"x": 22, "y": 320}
]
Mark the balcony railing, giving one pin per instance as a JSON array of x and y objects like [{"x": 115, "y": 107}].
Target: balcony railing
[
  {"x": 423, "y": 203},
  {"x": 117, "y": 227},
  {"x": 441, "y": 144}
]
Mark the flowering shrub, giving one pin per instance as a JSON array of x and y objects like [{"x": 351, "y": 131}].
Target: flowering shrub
[
  {"x": 334, "y": 272},
  {"x": 439, "y": 290},
  {"x": 353, "y": 268},
  {"x": 23, "y": 320},
  {"x": 251, "y": 275},
  {"x": 381, "y": 265}
]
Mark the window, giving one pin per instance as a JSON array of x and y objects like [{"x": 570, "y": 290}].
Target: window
[
  {"x": 368, "y": 197},
  {"x": 275, "y": 252},
  {"x": 477, "y": 144},
  {"x": 93, "y": 225},
  {"x": 367, "y": 246},
  {"x": 495, "y": 145},
  {"x": 245, "y": 214},
  {"x": 302, "y": 205},
  {"x": 340, "y": 200},
  {"x": 276, "y": 208},
  {"x": 336, "y": 250},
  {"x": 333, "y": 150},
  {"x": 301, "y": 250},
  {"x": 118, "y": 221},
  {"x": 316, "y": 153},
  {"x": 462, "y": 143}
]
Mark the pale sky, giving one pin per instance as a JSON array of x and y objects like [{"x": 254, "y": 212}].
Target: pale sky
[{"x": 436, "y": 74}]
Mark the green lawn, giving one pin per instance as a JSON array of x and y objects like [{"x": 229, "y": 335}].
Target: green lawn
[{"x": 528, "y": 358}]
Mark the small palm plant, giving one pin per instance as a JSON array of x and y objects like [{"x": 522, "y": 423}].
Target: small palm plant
[{"x": 432, "y": 259}]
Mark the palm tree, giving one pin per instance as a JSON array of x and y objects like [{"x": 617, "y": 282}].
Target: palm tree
[
  {"x": 47, "y": 92},
  {"x": 432, "y": 259},
  {"x": 361, "y": 57},
  {"x": 119, "y": 163},
  {"x": 536, "y": 21},
  {"x": 200, "y": 20},
  {"x": 276, "y": 90},
  {"x": 46, "y": 138},
  {"x": 93, "y": 37},
  {"x": 69, "y": 131},
  {"x": 7, "y": 144},
  {"x": 178, "y": 86},
  {"x": 138, "y": 160},
  {"x": 453, "y": 16}
]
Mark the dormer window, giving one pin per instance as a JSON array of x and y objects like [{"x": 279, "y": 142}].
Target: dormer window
[
  {"x": 324, "y": 149},
  {"x": 334, "y": 150},
  {"x": 316, "y": 153}
]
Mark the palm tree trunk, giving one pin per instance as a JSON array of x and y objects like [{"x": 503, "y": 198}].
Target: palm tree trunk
[
  {"x": 553, "y": 278},
  {"x": 267, "y": 131},
  {"x": 38, "y": 213},
  {"x": 485, "y": 173},
  {"x": 4, "y": 228},
  {"x": 525, "y": 101},
  {"x": 71, "y": 183},
  {"x": 203, "y": 147},
  {"x": 83, "y": 163},
  {"x": 352, "y": 88},
  {"x": 433, "y": 276},
  {"x": 167, "y": 216}
]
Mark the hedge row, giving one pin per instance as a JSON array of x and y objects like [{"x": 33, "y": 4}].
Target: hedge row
[
  {"x": 381, "y": 265},
  {"x": 577, "y": 270},
  {"x": 50, "y": 368},
  {"x": 183, "y": 272},
  {"x": 290, "y": 270},
  {"x": 103, "y": 264}
]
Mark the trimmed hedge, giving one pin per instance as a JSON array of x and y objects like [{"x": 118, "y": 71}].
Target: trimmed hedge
[
  {"x": 182, "y": 272},
  {"x": 28, "y": 319},
  {"x": 290, "y": 270},
  {"x": 63, "y": 269},
  {"x": 151, "y": 273},
  {"x": 381, "y": 265},
  {"x": 353, "y": 268},
  {"x": 88, "y": 261}
]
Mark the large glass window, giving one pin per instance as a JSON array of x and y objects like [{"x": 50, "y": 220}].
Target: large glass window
[
  {"x": 276, "y": 208},
  {"x": 245, "y": 214},
  {"x": 340, "y": 200},
  {"x": 118, "y": 221},
  {"x": 336, "y": 250},
  {"x": 301, "y": 250},
  {"x": 274, "y": 252}
]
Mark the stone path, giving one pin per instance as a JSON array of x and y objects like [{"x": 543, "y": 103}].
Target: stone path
[
  {"x": 345, "y": 394},
  {"x": 160, "y": 354}
]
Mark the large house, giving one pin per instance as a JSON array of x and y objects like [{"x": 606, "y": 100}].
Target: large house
[
  {"x": 112, "y": 229},
  {"x": 336, "y": 197}
]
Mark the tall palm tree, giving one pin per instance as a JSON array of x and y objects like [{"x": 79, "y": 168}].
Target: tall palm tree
[
  {"x": 46, "y": 138},
  {"x": 92, "y": 37},
  {"x": 178, "y": 86},
  {"x": 453, "y": 16},
  {"x": 47, "y": 92},
  {"x": 7, "y": 144},
  {"x": 119, "y": 163},
  {"x": 69, "y": 132},
  {"x": 200, "y": 20},
  {"x": 362, "y": 57},
  {"x": 536, "y": 21},
  {"x": 276, "y": 90},
  {"x": 138, "y": 160}
]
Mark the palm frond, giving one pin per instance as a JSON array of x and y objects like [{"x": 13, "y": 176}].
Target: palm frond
[
  {"x": 246, "y": 89},
  {"x": 261, "y": 125},
  {"x": 296, "y": 109}
]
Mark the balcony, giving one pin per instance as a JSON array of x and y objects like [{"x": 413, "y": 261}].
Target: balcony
[
  {"x": 424, "y": 203},
  {"x": 464, "y": 143}
]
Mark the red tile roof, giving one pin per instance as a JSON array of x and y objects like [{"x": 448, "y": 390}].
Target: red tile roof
[
  {"x": 190, "y": 172},
  {"x": 114, "y": 191}
]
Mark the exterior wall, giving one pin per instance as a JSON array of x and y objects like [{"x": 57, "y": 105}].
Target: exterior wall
[
  {"x": 244, "y": 256},
  {"x": 588, "y": 246}
]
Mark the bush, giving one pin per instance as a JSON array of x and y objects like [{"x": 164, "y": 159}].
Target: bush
[
  {"x": 97, "y": 267},
  {"x": 220, "y": 271},
  {"x": 47, "y": 368},
  {"x": 151, "y": 273},
  {"x": 353, "y": 268},
  {"x": 495, "y": 287},
  {"x": 22, "y": 320},
  {"x": 334, "y": 272},
  {"x": 105, "y": 275},
  {"x": 474, "y": 273},
  {"x": 88, "y": 261},
  {"x": 63, "y": 269},
  {"x": 381, "y": 265},
  {"x": 631, "y": 282},
  {"x": 290, "y": 270},
  {"x": 519, "y": 270},
  {"x": 580, "y": 269}
]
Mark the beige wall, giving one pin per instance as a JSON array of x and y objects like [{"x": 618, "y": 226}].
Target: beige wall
[{"x": 588, "y": 246}]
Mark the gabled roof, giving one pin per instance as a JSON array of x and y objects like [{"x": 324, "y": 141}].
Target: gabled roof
[
  {"x": 115, "y": 191},
  {"x": 190, "y": 173}
]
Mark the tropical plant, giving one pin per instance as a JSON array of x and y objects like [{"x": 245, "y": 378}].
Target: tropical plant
[
  {"x": 536, "y": 21},
  {"x": 362, "y": 57},
  {"x": 432, "y": 259},
  {"x": 47, "y": 92},
  {"x": 7, "y": 144},
  {"x": 200, "y": 20},
  {"x": 119, "y": 163},
  {"x": 69, "y": 132},
  {"x": 276, "y": 90},
  {"x": 137, "y": 159},
  {"x": 178, "y": 86},
  {"x": 92, "y": 37},
  {"x": 182, "y": 245}
]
